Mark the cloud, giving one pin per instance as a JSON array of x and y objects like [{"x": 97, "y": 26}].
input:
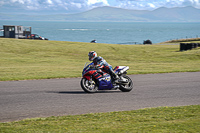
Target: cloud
[
  {"x": 139, "y": 4},
  {"x": 49, "y": 2},
  {"x": 96, "y": 3},
  {"x": 182, "y": 3},
  {"x": 93, "y": 2},
  {"x": 153, "y": 4},
  {"x": 74, "y": 6},
  {"x": 54, "y": 5}
]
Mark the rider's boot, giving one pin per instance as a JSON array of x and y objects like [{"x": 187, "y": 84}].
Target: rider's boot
[{"x": 116, "y": 86}]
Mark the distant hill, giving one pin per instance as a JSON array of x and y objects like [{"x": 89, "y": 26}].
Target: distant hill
[
  {"x": 184, "y": 14},
  {"x": 108, "y": 14},
  {"x": 112, "y": 14}
]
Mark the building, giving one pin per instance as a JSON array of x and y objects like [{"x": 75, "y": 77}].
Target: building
[{"x": 14, "y": 31}]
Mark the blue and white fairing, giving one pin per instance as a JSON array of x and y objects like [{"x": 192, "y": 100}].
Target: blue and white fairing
[
  {"x": 105, "y": 83},
  {"x": 120, "y": 69}
]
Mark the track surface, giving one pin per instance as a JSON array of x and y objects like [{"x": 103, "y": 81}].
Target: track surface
[{"x": 56, "y": 97}]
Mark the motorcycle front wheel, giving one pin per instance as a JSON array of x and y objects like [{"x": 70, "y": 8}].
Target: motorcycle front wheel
[
  {"x": 88, "y": 86},
  {"x": 128, "y": 86}
]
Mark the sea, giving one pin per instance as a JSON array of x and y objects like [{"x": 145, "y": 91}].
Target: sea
[{"x": 111, "y": 32}]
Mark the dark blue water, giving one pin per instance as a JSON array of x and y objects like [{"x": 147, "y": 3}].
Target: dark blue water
[{"x": 111, "y": 32}]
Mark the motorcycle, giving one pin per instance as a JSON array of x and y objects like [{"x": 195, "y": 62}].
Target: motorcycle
[{"x": 90, "y": 84}]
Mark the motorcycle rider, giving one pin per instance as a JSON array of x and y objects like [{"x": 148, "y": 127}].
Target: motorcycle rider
[{"x": 100, "y": 63}]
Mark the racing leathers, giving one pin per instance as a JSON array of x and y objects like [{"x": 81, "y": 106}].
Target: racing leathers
[{"x": 100, "y": 63}]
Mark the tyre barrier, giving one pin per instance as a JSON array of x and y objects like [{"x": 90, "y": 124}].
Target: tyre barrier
[{"x": 188, "y": 46}]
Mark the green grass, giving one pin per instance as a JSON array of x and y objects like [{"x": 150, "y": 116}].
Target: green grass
[
  {"x": 162, "y": 120},
  {"x": 188, "y": 40},
  {"x": 35, "y": 59}
]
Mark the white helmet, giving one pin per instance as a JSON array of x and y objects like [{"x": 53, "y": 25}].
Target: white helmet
[{"x": 92, "y": 55}]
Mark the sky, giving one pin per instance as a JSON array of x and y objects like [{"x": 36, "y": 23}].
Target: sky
[{"x": 76, "y": 6}]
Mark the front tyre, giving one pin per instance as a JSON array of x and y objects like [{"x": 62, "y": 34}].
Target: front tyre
[
  {"x": 126, "y": 86},
  {"x": 88, "y": 86}
]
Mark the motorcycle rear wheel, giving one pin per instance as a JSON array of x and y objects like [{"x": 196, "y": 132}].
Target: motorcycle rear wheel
[
  {"x": 126, "y": 87},
  {"x": 88, "y": 86}
]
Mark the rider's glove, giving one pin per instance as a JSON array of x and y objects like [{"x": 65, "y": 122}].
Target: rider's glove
[{"x": 98, "y": 66}]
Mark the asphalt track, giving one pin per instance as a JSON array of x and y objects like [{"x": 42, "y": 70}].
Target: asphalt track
[{"x": 56, "y": 97}]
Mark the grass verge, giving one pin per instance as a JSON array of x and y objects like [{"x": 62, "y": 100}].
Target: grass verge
[
  {"x": 37, "y": 59},
  {"x": 162, "y": 119},
  {"x": 188, "y": 40}
]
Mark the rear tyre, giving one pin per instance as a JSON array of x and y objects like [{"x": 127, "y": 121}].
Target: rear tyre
[
  {"x": 126, "y": 87},
  {"x": 88, "y": 86}
]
